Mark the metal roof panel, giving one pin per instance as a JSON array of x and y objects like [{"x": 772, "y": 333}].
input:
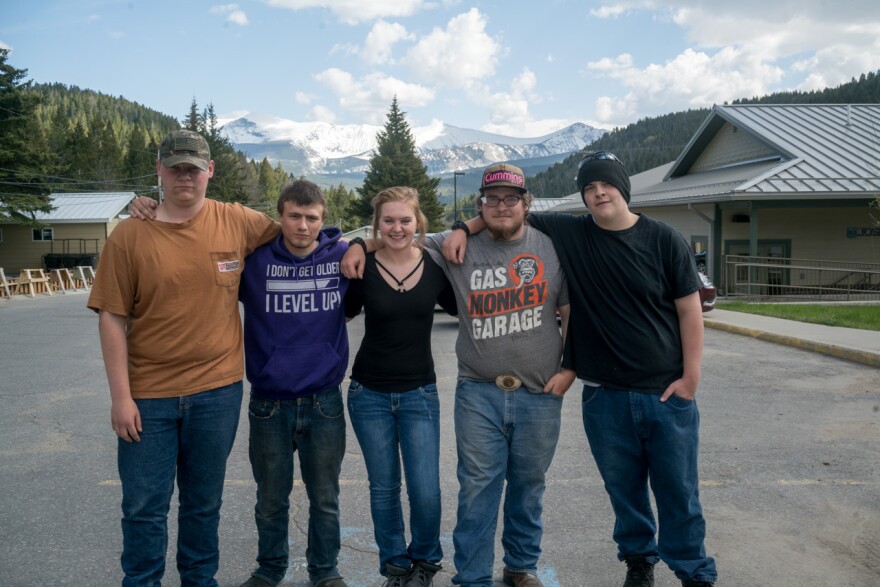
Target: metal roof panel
[{"x": 86, "y": 207}]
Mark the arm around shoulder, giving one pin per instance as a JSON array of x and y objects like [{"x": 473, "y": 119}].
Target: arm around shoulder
[{"x": 455, "y": 245}]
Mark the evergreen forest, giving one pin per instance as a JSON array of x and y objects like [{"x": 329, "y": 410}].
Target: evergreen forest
[{"x": 63, "y": 139}]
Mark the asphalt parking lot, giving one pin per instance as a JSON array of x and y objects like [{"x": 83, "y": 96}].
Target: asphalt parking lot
[{"x": 790, "y": 484}]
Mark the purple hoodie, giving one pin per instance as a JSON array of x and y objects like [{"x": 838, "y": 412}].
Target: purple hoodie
[{"x": 295, "y": 339}]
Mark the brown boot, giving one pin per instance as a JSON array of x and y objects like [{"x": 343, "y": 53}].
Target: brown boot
[{"x": 522, "y": 579}]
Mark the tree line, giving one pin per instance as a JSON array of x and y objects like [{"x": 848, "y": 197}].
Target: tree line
[{"x": 60, "y": 139}]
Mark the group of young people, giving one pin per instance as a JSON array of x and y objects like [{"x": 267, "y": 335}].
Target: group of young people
[{"x": 624, "y": 286}]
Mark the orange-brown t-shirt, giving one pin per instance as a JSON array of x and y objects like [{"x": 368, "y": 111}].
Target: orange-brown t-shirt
[{"x": 178, "y": 286}]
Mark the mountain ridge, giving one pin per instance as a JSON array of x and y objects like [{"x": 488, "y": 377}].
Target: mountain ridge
[{"x": 328, "y": 149}]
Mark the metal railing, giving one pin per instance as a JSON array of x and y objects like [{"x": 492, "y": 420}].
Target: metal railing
[{"x": 786, "y": 279}]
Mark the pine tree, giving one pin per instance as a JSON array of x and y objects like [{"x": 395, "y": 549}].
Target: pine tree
[
  {"x": 106, "y": 156},
  {"x": 396, "y": 163},
  {"x": 24, "y": 154},
  {"x": 339, "y": 198},
  {"x": 234, "y": 180},
  {"x": 192, "y": 120},
  {"x": 78, "y": 160},
  {"x": 140, "y": 161}
]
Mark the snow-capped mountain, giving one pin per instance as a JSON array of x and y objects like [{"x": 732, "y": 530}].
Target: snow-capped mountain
[{"x": 323, "y": 148}]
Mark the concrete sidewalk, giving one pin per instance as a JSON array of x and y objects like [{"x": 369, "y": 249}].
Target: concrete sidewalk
[{"x": 861, "y": 346}]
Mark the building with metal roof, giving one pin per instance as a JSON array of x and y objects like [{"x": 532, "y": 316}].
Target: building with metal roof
[
  {"x": 73, "y": 233},
  {"x": 778, "y": 181},
  {"x": 85, "y": 207}
]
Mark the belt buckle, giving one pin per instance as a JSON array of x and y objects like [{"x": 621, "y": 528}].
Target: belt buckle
[{"x": 508, "y": 382}]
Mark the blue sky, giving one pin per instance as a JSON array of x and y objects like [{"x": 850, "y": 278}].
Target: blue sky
[{"x": 517, "y": 67}]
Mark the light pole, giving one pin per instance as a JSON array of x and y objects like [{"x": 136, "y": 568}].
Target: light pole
[{"x": 455, "y": 175}]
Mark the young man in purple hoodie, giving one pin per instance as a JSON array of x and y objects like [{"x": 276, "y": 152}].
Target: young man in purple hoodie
[{"x": 296, "y": 355}]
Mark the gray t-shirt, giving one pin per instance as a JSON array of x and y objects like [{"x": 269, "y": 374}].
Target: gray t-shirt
[{"x": 507, "y": 294}]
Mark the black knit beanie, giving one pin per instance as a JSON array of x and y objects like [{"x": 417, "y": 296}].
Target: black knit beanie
[{"x": 608, "y": 170}]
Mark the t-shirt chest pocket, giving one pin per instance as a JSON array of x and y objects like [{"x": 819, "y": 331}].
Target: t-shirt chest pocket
[{"x": 227, "y": 268}]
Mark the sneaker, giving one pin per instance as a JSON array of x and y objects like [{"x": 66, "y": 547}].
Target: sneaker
[
  {"x": 331, "y": 582},
  {"x": 521, "y": 579},
  {"x": 422, "y": 574},
  {"x": 396, "y": 576},
  {"x": 639, "y": 572},
  {"x": 258, "y": 581},
  {"x": 695, "y": 583}
]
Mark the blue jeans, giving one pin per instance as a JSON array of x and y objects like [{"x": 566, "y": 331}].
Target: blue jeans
[
  {"x": 636, "y": 439},
  {"x": 191, "y": 437},
  {"x": 391, "y": 427},
  {"x": 501, "y": 436},
  {"x": 315, "y": 427}
]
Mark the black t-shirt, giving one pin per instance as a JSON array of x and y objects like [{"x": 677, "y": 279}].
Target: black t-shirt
[
  {"x": 395, "y": 353},
  {"x": 623, "y": 331}
]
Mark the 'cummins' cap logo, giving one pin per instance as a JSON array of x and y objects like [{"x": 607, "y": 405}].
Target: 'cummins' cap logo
[{"x": 503, "y": 175}]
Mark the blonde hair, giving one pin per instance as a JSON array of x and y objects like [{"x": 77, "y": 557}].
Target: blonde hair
[{"x": 406, "y": 195}]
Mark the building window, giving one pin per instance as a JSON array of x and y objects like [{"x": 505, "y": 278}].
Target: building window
[{"x": 44, "y": 234}]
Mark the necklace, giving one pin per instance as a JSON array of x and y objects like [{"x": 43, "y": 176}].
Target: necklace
[{"x": 400, "y": 286}]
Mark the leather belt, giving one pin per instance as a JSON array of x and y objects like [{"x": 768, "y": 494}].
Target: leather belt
[{"x": 508, "y": 382}]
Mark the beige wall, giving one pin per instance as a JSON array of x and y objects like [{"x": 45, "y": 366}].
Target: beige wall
[
  {"x": 687, "y": 222},
  {"x": 815, "y": 233},
  {"x": 818, "y": 234},
  {"x": 19, "y": 251}
]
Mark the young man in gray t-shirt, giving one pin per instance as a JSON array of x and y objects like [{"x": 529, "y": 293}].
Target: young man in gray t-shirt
[{"x": 509, "y": 393}]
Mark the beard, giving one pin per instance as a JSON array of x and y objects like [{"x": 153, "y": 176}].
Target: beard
[{"x": 504, "y": 232}]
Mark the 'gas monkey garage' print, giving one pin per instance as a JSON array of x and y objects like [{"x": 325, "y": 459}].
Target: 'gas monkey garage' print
[{"x": 506, "y": 300}]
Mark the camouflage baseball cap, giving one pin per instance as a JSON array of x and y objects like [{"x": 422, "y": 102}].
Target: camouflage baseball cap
[
  {"x": 503, "y": 175},
  {"x": 184, "y": 146}
]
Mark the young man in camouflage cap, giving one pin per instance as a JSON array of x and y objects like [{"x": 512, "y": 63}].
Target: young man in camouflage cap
[{"x": 166, "y": 293}]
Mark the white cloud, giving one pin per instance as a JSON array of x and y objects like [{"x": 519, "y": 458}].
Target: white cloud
[
  {"x": 509, "y": 111},
  {"x": 115, "y": 34},
  {"x": 612, "y": 11},
  {"x": 693, "y": 79},
  {"x": 238, "y": 17},
  {"x": 457, "y": 56},
  {"x": 381, "y": 40},
  {"x": 321, "y": 114},
  {"x": 5, "y": 46},
  {"x": 739, "y": 50},
  {"x": 369, "y": 97},
  {"x": 356, "y": 11},
  {"x": 93, "y": 18},
  {"x": 304, "y": 98},
  {"x": 232, "y": 13}
]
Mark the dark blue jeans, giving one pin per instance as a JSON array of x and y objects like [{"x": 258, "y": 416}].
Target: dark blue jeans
[
  {"x": 191, "y": 437},
  {"x": 501, "y": 436},
  {"x": 391, "y": 427},
  {"x": 315, "y": 427},
  {"x": 636, "y": 439}
]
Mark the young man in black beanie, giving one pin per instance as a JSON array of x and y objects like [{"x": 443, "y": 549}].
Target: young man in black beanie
[{"x": 636, "y": 341}]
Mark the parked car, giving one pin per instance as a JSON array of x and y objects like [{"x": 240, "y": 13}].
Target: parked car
[
  {"x": 708, "y": 293},
  {"x": 700, "y": 259}
]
